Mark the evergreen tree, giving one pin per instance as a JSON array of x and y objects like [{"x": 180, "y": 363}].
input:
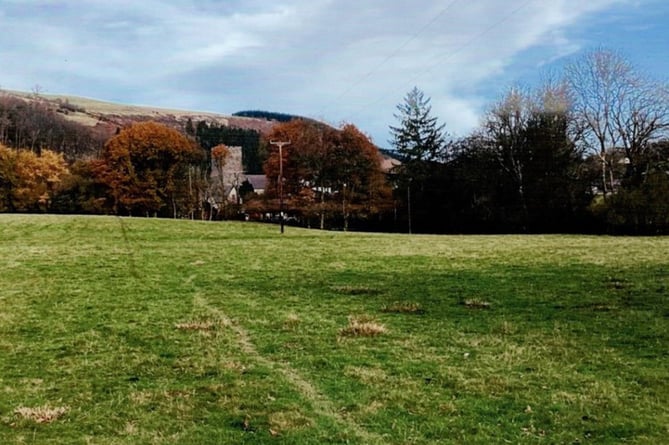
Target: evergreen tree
[
  {"x": 418, "y": 137},
  {"x": 421, "y": 144}
]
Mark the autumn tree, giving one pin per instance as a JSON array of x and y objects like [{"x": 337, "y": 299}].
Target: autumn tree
[
  {"x": 7, "y": 178},
  {"x": 145, "y": 167},
  {"x": 331, "y": 174},
  {"x": 219, "y": 157},
  {"x": 305, "y": 166},
  {"x": 29, "y": 182},
  {"x": 363, "y": 186}
]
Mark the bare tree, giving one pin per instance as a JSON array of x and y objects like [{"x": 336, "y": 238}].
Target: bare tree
[
  {"x": 526, "y": 134},
  {"x": 615, "y": 107},
  {"x": 505, "y": 130}
]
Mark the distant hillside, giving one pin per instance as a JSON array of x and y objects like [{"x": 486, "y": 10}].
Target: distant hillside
[
  {"x": 106, "y": 117},
  {"x": 268, "y": 115}
]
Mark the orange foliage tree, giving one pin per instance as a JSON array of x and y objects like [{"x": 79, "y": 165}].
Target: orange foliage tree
[
  {"x": 145, "y": 168},
  {"x": 219, "y": 157},
  {"x": 28, "y": 182},
  {"x": 331, "y": 174}
]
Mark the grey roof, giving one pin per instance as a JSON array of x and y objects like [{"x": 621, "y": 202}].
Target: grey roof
[{"x": 259, "y": 182}]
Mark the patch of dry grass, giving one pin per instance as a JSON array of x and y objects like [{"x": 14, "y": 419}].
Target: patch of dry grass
[
  {"x": 291, "y": 322},
  {"x": 476, "y": 303},
  {"x": 362, "y": 326},
  {"x": 41, "y": 414},
  {"x": 355, "y": 290},
  {"x": 403, "y": 307},
  {"x": 200, "y": 325},
  {"x": 284, "y": 421},
  {"x": 367, "y": 375}
]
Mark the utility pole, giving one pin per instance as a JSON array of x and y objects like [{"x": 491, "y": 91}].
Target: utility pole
[
  {"x": 280, "y": 144},
  {"x": 343, "y": 207},
  {"x": 409, "y": 204}
]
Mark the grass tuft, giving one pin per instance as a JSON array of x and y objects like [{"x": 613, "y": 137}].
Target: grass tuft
[
  {"x": 283, "y": 421},
  {"x": 398, "y": 307},
  {"x": 475, "y": 303},
  {"x": 362, "y": 326},
  {"x": 291, "y": 322},
  {"x": 41, "y": 414},
  {"x": 206, "y": 325},
  {"x": 356, "y": 290}
]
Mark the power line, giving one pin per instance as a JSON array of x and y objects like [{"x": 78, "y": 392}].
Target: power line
[
  {"x": 445, "y": 56},
  {"x": 391, "y": 55}
]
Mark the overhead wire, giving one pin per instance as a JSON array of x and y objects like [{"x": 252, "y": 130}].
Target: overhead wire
[
  {"x": 390, "y": 56},
  {"x": 445, "y": 56}
]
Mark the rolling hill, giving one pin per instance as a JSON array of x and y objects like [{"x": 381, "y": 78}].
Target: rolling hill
[{"x": 107, "y": 116}]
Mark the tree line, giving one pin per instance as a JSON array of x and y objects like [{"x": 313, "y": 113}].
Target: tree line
[
  {"x": 586, "y": 152},
  {"x": 324, "y": 177},
  {"x": 331, "y": 177},
  {"x": 34, "y": 126}
]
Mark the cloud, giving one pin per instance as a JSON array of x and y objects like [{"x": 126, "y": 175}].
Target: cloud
[{"x": 335, "y": 60}]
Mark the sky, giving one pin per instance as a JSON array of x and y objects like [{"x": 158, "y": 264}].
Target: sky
[{"x": 333, "y": 60}]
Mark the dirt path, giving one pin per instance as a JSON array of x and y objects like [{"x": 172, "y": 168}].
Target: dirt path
[{"x": 321, "y": 403}]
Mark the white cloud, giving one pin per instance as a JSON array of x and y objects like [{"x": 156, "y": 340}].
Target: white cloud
[{"x": 337, "y": 60}]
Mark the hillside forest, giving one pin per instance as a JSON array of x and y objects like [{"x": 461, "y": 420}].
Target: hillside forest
[{"x": 587, "y": 151}]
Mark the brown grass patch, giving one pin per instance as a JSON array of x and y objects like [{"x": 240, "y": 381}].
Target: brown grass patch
[
  {"x": 141, "y": 397},
  {"x": 475, "y": 303},
  {"x": 362, "y": 326},
  {"x": 41, "y": 414},
  {"x": 367, "y": 375},
  {"x": 287, "y": 420},
  {"x": 356, "y": 290},
  {"x": 130, "y": 429},
  {"x": 505, "y": 328},
  {"x": 235, "y": 366},
  {"x": 399, "y": 307},
  {"x": 207, "y": 325},
  {"x": 291, "y": 322}
]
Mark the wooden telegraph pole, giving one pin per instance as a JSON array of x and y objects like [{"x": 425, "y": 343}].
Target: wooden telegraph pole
[{"x": 280, "y": 144}]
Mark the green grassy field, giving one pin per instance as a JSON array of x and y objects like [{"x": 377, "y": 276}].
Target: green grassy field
[{"x": 118, "y": 331}]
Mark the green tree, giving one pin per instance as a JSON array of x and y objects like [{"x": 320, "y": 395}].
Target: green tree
[
  {"x": 421, "y": 143},
  {"x": 418, "y": 137}
]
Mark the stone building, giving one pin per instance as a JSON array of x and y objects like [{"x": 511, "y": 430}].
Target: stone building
[{"x": 226, "y": 180}]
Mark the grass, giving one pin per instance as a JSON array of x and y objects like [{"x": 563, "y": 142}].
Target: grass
[
  {"x": 144, "y": 331},
  {"x": 362, "y": 326}
]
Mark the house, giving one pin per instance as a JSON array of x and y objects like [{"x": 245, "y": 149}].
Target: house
[
  {"x": 259, "y": 183},
  {"x": 233, "y": 177}
]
